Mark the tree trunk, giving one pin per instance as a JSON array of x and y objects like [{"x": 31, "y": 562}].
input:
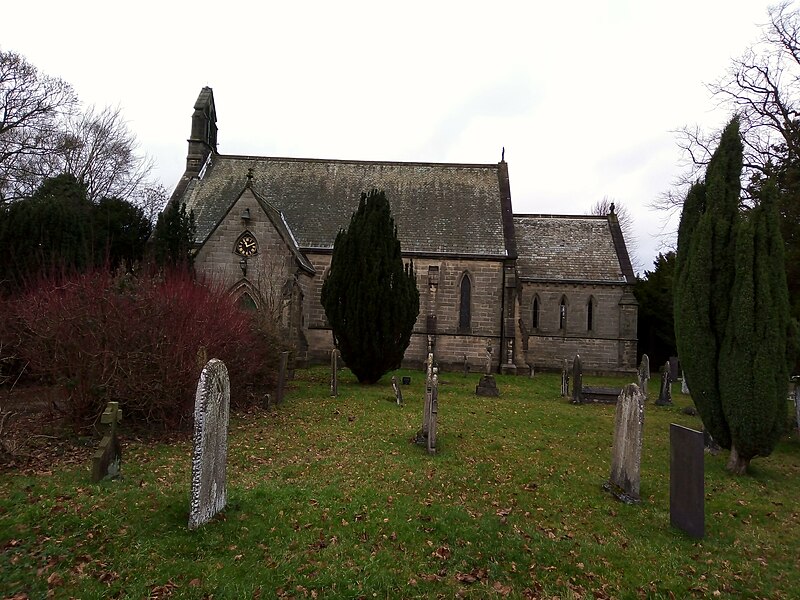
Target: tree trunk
[{"x": 736, "y": 464}]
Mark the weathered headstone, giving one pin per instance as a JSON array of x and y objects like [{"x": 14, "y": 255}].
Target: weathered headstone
[
  {"x": 644, "y": 374},
  {"x": 398, "y": 395},
  {"x": 626, "y": 453},
  {"x": 577, "y": 380},
  {"x": 487, "y": 386},
  {"x": 684, "y": 385},
  {"x": 488, "y": 360},
  {"x": 334, "y": 372},
  {"x": 797, "y": 403},
  {"x": 531, "y": 371},
  {"x": 433, "y": 413},
  {"x": 665, "y": 393},
  {"x": 107, "y": 460},
  {"x": 565, "y": 379},
  {"x": 686, "y": 472},
  {"x": 466, "y": 366},
  {"x": 674, "y": 368},
  {"x": 209, "y": 456},
  {"x": 422, "y": 435},
  {"x": 710, "y": 444},
  {"x": 282, "y": 368}
]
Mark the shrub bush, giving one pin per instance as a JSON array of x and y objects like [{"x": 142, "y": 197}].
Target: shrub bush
[{"x": 141, "y": 342}]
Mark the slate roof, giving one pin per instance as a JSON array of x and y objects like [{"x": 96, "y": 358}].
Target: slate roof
[
  {"x": 571, "y": 248},
  {"x": 438, "y": 208}
]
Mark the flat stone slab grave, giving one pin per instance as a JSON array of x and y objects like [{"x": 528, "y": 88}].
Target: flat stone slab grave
[
  {"x": 686, "y": 485},
  {"x": 602, "y": 395},
  {"x": 209, "y": 493}
]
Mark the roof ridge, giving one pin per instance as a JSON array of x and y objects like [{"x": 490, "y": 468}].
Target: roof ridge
[{"x": 357, "y": 161}]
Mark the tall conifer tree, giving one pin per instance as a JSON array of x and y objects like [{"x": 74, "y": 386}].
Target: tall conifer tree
[
  {"x": 731, "y": 309},
  {"x": 371, "y": 300}
]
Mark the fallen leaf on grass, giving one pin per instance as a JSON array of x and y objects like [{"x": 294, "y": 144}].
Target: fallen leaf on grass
[
  {"x": 443, "y": 553},
  {"x": 54, "y": 580},
  {"x": 503, "y": 590}
]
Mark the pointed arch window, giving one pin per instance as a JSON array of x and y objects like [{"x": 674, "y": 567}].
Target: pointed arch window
[
  {"x": 465, "y": 303},
  {"x": 590, "y": 310},
  {"x": 536, "y": 310},
  {"x": 562, "y": 313}
]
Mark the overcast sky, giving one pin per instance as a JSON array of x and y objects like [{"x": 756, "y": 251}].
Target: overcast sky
[{"x": 583, "y": 95}]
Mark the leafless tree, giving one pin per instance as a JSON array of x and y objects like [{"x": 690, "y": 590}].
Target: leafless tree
[
  {"x": 761, "y": 86},
  {"x": 44, "y": 132},
  {"x": 605, "y": 206},
  {"x": 152, "y": 199},
  {"x": 100, "y": 151},
  {"x": 32, "y": 110},
  {"x": 272, "y": 278}
]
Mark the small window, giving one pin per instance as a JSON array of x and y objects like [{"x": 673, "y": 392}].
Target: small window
[
  {"x": 590, "y": 314},
  {"x": 465, "y": 308},
  {"x": 535, "y": 319},
  {"x": 562, "y": 313}
]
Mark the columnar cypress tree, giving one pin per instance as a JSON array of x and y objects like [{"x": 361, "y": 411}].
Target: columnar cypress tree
[
  {"x": 173, "y": 236},
  {"x": 753, "y": 363},
  {"x": 731, "y": 309},
  {"x": 371, "y": 300}
]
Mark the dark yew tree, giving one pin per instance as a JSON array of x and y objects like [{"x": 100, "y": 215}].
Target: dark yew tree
[
  {"x": 753, "y": 369},
  {"x": 731, "y": 308},
  {"x": 49, "y": 233},
  {"x": 121, "y": 231},
  {"x": 656, "y": 325},
  {"x": 370, "y": 298},
  {"x": 173, "y": 236}
]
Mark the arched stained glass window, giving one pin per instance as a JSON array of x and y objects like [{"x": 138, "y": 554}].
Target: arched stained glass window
[{"x": 465, "y": 304}]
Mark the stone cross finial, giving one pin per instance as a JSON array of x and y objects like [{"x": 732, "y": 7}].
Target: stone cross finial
[
  {"x": 249, "y": 176},
  {"x": 111, "y": 416}
]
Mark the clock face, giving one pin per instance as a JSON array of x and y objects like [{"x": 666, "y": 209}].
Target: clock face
[{"x": 247, "y": 245}]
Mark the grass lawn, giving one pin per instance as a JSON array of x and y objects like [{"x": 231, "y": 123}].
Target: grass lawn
[{"x": 328, "y": 498}]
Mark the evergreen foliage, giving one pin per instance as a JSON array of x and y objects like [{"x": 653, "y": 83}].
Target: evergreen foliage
[
  {"x": 173, "y": 237},
  {"x": 656, "y": 325},
  {"x": 370, "y": 299},
  {"x": 731, "y": 309},
  {"x": 49, "y": 232},
  {"x": 121, "y": 231}
]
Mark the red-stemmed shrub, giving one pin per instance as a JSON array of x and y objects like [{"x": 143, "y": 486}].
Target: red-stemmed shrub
[{"x": 141, "y": 342}]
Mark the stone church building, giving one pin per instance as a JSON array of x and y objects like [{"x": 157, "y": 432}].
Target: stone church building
[{"x": 535, "y": 289}]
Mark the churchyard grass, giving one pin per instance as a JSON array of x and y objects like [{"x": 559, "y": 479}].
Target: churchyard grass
[{"x": 328, "y": 498}]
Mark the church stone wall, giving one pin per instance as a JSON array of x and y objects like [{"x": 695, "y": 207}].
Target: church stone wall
[
  {"x": 217, "y": 257},
  {"x": 438, "y": 281},
  {"x": 610, "y": 345}
]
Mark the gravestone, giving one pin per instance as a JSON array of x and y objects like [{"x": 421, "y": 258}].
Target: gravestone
[
  {"x": 686, "y": 472},
  {"x": 710, "y": 444},
  {"x": 626, "y": 453},
  {"x": 577, "y": 380},
  {"x": 422, "y": 435},
  {"x": 466, "y": 366},
  {"x": 433, "y": 413},
  {"x": 209, "y": 456},
  {"x": 107, "y": 460},
  {"x": 487, "y": 386},
  {"x": 665, "y": 393},
  {"x": 530, "y": 371},
  {"x": 644, "y": 374},
  {"x": 797, "y": 404},
  {"x": 284, "y": 365},
  {"x": 565, "y": 379},
  {"x": 684, "y": 385},
  {"x": 334, "y": 372},
  {"x": 488, "y": 360},
  {"x": 398, "y": 395},
  {"x": 674, "y": 368}
]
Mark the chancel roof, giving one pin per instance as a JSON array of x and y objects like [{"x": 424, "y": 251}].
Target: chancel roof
[
  {"x": 587, "y": 249},
  {"x": 438, "y": 208}
]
